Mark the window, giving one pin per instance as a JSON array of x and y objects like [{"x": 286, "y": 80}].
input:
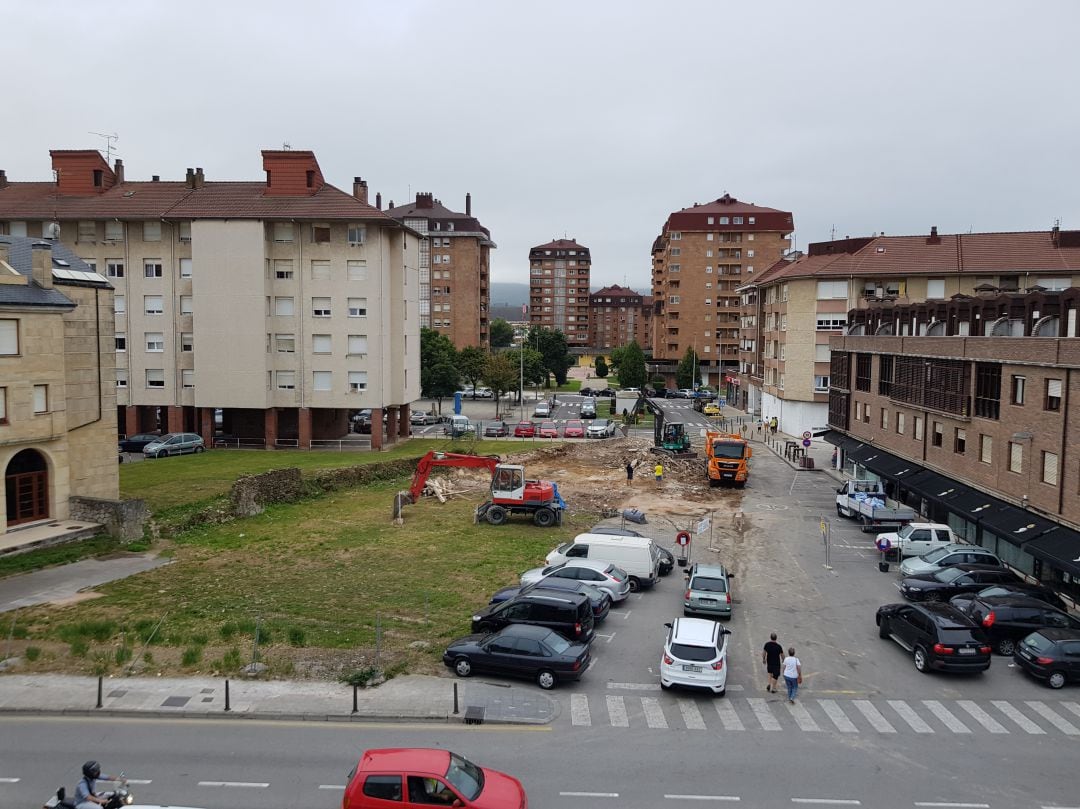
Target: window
[
  {"x": 119, "y": 304},
  {"x": 155, "y": 341},
  {"x": 1054, "y": 284},
  {"x": 358, "y": 344},
  {"x": 183, "y": 230},
  {"x": 827, "y": 290},
  {"x": 87, "y": 231},
  {"x": 114, "y": 231},
  {"x": 283, "y": 307},
  {"x": 286, "y": 380},
  {"x": 9, "y": 337},
  {"x": 322, "y": 380},
  {"x": 858, "y": 411},
  {"x": 1050, "y": 468},
  {"x": 17, "y": 229},
  {"x": 320, "y": 233},
  {"x": 121, "y": 378},
  {"x": 152, "y": 268},
  {"x": 673, "y": 299},
  {"x": 675, "y": 268},
  {"x": 285, "y": 343},
  {"x": 831, "y": 322},
  {"x": 151, "y": 231},
  {"x": 357, "y": 381},
  {"x": 1016, "y": 457},
  {"x": 1053, "y": 395},
  {"x": 821, "y": 383},
  {"x": 939, "y": 434},
  {"x": 736, "y": 220},
  {"x": 821, "y": 352},
  {"x": 114, "y": 268},
  {"x": 187, "y": 378},
  {"x": 676, "y": 251},
  {"x": 935, "y": 288},
  {"x": 155, "y": 378},
  {"x": 357, "y": 270},
  {"x": 959, "y": 441},
  {"x": 320, "y": 344},
  {"x": 186, "y": 304},
  {"x": 121, "y": 341},
  {"x": 357, "y": 235},
  {"x": 863, "y": 365},
  {"x": 918, "y": 431},
  {"x": 153, "y": 305},
  {"x": 283, "y": 231},
  {"x": 187, "y": 341},
  {"x": 986, "y": 449},
  {"x": 185, "y": 268},
  {"x": 320, "y": 271},
  {"x": 1019, "y": 386},
  {"x": 675, "y": 235},
  {"x": 283, "y": 269},
  {"x": 884, "y": 419},
  {"x": 41, "y": 398},
  {"x": 383, "y": 787},
  {"x": 900, "y": 419},
  {"x": 91, "y": 263},
  {"x": 320, "y": 307}
]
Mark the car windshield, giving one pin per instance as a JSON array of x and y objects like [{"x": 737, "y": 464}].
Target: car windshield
[
  {"x": 465, "y": 776},
  {"x": 552, "y": 568},
  {"x": 1037, "y": 642},
  {"x": 592, "y": 591},
  {"x": 616, "y": 572},
  {"x": 707, "y": 584},
  {"x": 997, "y": 591},
  {"x": 697, "y": 654},
  {"x": 564, "y": 547},
  {"x": 556, "y": 642},
  {"x": 948, "y": 574},
  {"x": 905, "y": 532},
  {"x": 727, "y": 449},
  {"x": 934, "y": 556},
  {"x": 547, "y": 425}
]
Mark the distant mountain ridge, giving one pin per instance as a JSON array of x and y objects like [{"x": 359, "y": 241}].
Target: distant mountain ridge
[{"x": 508, "y": 294}]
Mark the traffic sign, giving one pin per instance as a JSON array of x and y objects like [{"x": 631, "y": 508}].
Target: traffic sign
[
  {"x": 807, "y": 434},
  {"x": 883, "y": 544},
  {"x": 806, "y": 442},
  {"x": 682, "y": 538}
]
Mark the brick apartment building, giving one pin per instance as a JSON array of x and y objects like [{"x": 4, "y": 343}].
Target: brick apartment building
[
  {"x": 793, "y": 308},
  {"x": 965, "y": 407},
  {"x": 618, "y": 316},
  {"x": 701, "y": 257},
  {"x": 455, "y": 257},
  {"x": 559, "y": 289},
  {"x": 282, "y": 303}
]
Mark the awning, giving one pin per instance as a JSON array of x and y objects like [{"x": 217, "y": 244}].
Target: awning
[
  {"x": 931, "y": 484},
  {"x": 858, "y": 452},
  {"x": 971, "y": 504},
  {"x": 889, "y": 465},
  {"x": 1015, "y": 524},
  {"x": 1059, "y": 548},
  {"x": 838, "y": 439}
]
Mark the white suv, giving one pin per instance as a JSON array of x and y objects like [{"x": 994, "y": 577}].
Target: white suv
[
  {"x": 695, "y": 655},
  {"x": 917, "y": 538}
]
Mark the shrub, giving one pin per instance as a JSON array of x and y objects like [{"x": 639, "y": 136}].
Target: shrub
[
  {"x": 297, "y": 637},
  {"x": 99, "y": 631},
  {"x": 191, "y": 656},
  {"x": 79, "y": 647},
  {"x": 360, "y": 677},
  {"x": 227, "y": 630},
  {"x": 32, "y": 653},
  {"x": 123, "y": 655},
  {"x": 200, "y": 639},
  {"x": 230, "y": 661}
]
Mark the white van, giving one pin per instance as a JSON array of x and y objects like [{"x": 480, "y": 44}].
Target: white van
[{"x": 638, "y": 556}]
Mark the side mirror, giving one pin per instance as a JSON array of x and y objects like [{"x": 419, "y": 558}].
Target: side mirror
[
  {"x": 668, "y": 625},
  {"x": 840, "y": 490},
  {"x": 731, "y": 575},
  {"x": 725, "y": 631}
]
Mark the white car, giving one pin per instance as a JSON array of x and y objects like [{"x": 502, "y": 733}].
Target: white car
[
  {"x": 695, "y": 655},
  {"x": 542, "y": 410},
  {"x": 485, "y": 393},
  {"x": 611, "y": 579},
  {"x": 917, "y": 538},
  {"x": 602, "y": 428},
  {"x": 418, "y": 417}
]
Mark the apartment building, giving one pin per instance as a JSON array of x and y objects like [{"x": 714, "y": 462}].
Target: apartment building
[
  {"x": 559, "y": 289},
  {"x": 963, "y": 407},
  {"x": 455, "y": 256},
  {"x": 57, "y": 390},
  {"x": 794, "y": 307},
  {"x": 270, "y": 307},
  {"x": 617, "y": 316},
  {"x": 703, "y": 254}
]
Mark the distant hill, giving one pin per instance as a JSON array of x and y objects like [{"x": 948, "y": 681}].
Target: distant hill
[{"x": 504, "y": 294}]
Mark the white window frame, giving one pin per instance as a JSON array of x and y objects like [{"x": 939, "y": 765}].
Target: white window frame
[
  {"x": 185, "y": 268},
  {"x": 284, "y": 306},
  {"x": 148, "y": 302},
  {"x": 9, "y": 337},
  {"x": 151, "y": 230},
  {"x": 357, "y": 381},
  {"x": 322, "y": 381},
  {"x": 358, "y": 345},
  {"x": 322, "y": 344},
  {"x": 187, "y": 378},
  {"x": 284, "y": 232},
  {"x": 358, "y": 307},
  {"x": 285, "y": 380},
  {"x": 41, "y": 399},
  {"x": 121, "y": 377},
  {"x": 322, "y": 306},
  {"x": 155, "y": 378}
]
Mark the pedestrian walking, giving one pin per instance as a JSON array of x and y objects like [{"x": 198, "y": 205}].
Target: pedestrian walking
[
  {"x": 792, "y": 667},
  {"x": 629, "y": 474},
  {"x": 773, "y": 424},
  {"x": 771, "y": 657},
  {"x": 658, "y": 470}
]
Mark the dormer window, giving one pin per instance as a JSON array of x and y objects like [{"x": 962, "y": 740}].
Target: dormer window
[
  {"x": 310, "y": 178},
  {"x": 99, "y": 178}
]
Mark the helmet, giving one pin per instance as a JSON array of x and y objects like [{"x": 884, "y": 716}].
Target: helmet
[{"x": 91, "y": 769}]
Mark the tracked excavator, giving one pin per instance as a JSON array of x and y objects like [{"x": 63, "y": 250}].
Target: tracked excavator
[{"x": 511, "y": 492}]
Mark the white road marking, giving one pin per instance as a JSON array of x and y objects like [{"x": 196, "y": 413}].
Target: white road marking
[
  {"x": 947, "y": 717},
  {"x": 802, "y": 717},
  {"x": 1072, "y": 706},
  {"x": 829, "y": 801},
  {"x": 1017, "y": 717},
  {"x": 579, "y": 710},
  {"x": 332, "y": 786},
  {"x": 736, "y": 688},
  {"x": 608, "y": 637},
  {"x": 873, "y": 716},
  {"x": 654, "y": 714},
  {"x": 1059, "y": 807},
  {"x": 9, "y": 780},
  {"x": 907, "y": 713},
  {"x": 981, "y": 716},
  {"x": 943, "y": 805},
  {"x": 589, "y": 794},
  {"x": 635, "y": 686},
  {"x": 837, "y": 715},
  {"x": 241, "y": 784},
  {"x": 761, "y": 711},
  {"x": 1060, "y": 722},
  {"x": 626, "y": 614},
  {"x": 616, "y": 709},
  {"x": 703, "y": 797},
  {"x": 728, "y": 717},
  {"x": 691, "y": 715},
  {"x": 140, "y": 781}
]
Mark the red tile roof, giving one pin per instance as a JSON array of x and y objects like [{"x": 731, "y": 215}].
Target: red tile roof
[
  {"x": 561, "y": 244},
  {"x": 615, "y": 289},
  {"x": 727, "y": 204}
]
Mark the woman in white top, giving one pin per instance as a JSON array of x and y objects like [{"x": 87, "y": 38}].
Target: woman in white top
[{"x": 792, "y": 674}]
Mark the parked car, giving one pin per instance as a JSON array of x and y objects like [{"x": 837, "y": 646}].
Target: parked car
[
  {"x": 459, "y": 426},
  {"x": 174, "y": 444},
  {"x": 638, "y": 556},
  {"x": 1020, "y": 588},
  {"x": 919, "y": 538},
  {"x": 606, "y": 392},
  {"x": 599, "y": 600},
  {"x": 667, "y": 558},
  {"x": 548, "y": 429},
  {"x": 421, "y": 418},
  {"x": 586, "y": 392},
  {"x": 428, "y": 776},
  {"x": 711, "y": 409},
  {"x": 695, "y": 655},
  {"x": 945, "y": 582},
  {"x": 685, "y": 393},
  {"x": 588, "y": 409},
  {"x": 138, "y": 442},
  {"x": 608, "y": 577},
  {"x": 519, "y": 650},
  {"x": 948, "y": 555},
  {"x": 708, "y": 591},
  {"x": 1008, "y": 619},
  {"x": 1051, "y": 655},
  {"x": 524, "y": 429},
  {"x": 601, "y": 428},
  {"x": 484, "y": 393},
  {"x": 939, "y": 636},
  {"x": 496, "y": 429},
  {"x": 574, "y": 429},
  {"x": 569, "y": 614},
  {"x": 542, "y": 410}
]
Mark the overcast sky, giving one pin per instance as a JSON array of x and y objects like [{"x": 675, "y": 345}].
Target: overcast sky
[{"x": 590, "y": 120}]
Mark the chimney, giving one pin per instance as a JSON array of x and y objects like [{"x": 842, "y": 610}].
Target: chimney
[
  {"x": 155, "y": 178},
  {"x": 3, "y": 179},
  {"x": 933, "y": 238},
  {"x": 378, "y": 200},
  {"x": 41, "y": 263},
  {"x": 1055, "y": 233},
  {"x": 118, "y": 170},
  {"x": 359, "y": 189},
  {"x": 424, "y": 200},
  {"x": 189, "y": 180},
  {"x": 468, "y": 204},
  {"x": 200, "y": 178}
]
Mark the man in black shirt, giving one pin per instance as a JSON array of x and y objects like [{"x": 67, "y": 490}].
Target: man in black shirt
[{"x": 771, "y": 656}]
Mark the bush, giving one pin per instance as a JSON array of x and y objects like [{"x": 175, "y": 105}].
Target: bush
[
  {"x": 19, "y": 632},
  {"x": 79, "y": 647},
  {"x": 297, "y": 637},
  {"x": 227, "y": 630},
  {"x": 360, "y": 677},
  {"x": 231, "y": 659},
  {"x": 123, "y": 655},
  {"x": 32, "y": 653},
  {"x": 99, "y": 631},
  {"x": 191, "y": 656},
  {"x": 200, "y": 639}
]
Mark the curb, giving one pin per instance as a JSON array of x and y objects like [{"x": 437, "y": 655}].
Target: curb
[{"x": 447, "y": 719}]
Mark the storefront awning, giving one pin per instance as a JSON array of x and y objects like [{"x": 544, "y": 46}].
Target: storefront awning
[
  {"x": 931, "y": 484},
  {"x": 838, "y": 439},
  {"x": 1016, "y": 525},
  {"x": 1059, "y": 548},
  {"x": 889, "y": 465}
]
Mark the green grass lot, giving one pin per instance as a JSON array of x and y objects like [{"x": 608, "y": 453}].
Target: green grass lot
[{"x": 318, "y": 573}]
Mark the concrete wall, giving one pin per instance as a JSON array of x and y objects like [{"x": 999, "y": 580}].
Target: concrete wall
[{"x": 123, "y": 519}]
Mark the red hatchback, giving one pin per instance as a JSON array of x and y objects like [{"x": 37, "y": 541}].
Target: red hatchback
[
  {"x": 525, "y": 429},
  {"x": 549, "y": 430},
  {"x": 417, "y": 776},
  {"x": 574, "y": 429}
]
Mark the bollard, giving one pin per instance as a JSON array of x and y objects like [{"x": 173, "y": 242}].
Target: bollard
[
  {"x": 455, "y": 699},
  {"x": 99, "y": 680},
  {"x": 227, "y": 708},
  {"x": 355, "y": 709}
]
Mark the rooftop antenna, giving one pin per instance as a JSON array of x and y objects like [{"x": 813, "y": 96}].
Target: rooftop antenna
[
  {"x": 286, "y": 146},
  {"x": 832, "y": 233},
  {"x": 108, "y": 143}
]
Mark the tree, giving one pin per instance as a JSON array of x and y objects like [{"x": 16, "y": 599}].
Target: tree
[
  {"x": 686, "y": 375},
  {"x": 532, "y": 367},
  {"x": 632, "y": 373},
  {"x": 601, "y": 367},
  {"x": 616, "y": 357},
  {"x": 500, "y": 333},
  {"x": 553, "y": 346},
  {"x": 438, "y": 366},
  {"x": 501, "y": 375},
  {"x": 471, "y": 363}
]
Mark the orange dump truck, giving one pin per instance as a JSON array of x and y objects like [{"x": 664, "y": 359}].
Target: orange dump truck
[{"x": 727, "y": 458}]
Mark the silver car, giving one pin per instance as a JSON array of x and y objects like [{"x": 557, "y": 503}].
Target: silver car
[
  {"x": 708, "y": 591},
  {"x": 611, "y": 579},
  {"x": 945, "y": 556},
  {"x": 601, "y": 428},
  {"x": 174, "y": 444}
]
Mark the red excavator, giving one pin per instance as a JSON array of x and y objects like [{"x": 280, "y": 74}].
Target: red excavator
[{"x": 511, "y": 493}]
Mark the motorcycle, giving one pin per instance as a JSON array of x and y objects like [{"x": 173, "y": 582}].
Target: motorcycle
[{"x": 118, "y": 798}]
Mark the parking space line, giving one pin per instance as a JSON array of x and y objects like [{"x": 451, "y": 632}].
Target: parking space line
[
  {"x": 616, "y": 708},
  {"x": 728, "y": 718},
  {"x": 947, "y": 717},
  {"x": 1017, "y": 717},
  {"x": 691, "y": 715},
  {"x": 907, "y": 713},
  {"x": 1060, "y": 722},
  {"x": 703, "y": 797},
  {"x": 981, "y": 716},
  {"x": 837, "y": 716},
  {"x": 635, "y": 686},
  {"x": 803, "y": 718},
  {"x": 946, "y": 805},
  {"x": 626, "y": 614},
  {"x": 829, "y": 801},
  {"x": 589, "y": 794},
  {"x": 579, "y": 710},
  {"x": 654, "y": 714},
  {"x": 9, "y": 780},
  {"x": 332, "y": 786},
  {"x": 764, "y": 716},
  {"x": 873, "y": 716}
]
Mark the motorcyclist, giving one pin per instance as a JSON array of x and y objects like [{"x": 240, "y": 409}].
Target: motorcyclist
[{"x": 86, "y": 796}]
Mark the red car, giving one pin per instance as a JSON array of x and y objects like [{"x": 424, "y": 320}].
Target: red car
[
  {"x": 412, "y": 776},
  {"x": 525, "y": 429},
  {"x": 549, "y": 430},
  {"x": 574, "y": 429}
]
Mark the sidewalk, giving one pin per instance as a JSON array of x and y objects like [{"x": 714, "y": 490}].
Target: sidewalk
[{"x": 413, "y": 697}]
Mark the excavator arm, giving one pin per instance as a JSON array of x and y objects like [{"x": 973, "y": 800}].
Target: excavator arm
[{"x": 432, "y": 460}]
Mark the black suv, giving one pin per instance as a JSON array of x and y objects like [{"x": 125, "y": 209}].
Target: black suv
[
  {"x": 946, "y": 582},
  {"x": 598, "y": 599},
  {"x": 1007, "y": 619},
  {"x": 1052, "y": 655},
  {"x": 1019, "y": 588},
  {"x": 569, "y": 614},
  {"x": 939, "y": 636}
]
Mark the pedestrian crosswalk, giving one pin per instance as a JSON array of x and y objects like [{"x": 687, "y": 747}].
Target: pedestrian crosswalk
[{"x": 811, "y": 715}]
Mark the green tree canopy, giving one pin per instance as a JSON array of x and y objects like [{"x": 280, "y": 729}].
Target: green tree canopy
[
  {"x": 601, "y": 367},
  {"x": 471, "y": 363},
  {"x": 500, "y": 333},
  {"x": 501, "y": 375},
  {"x": 552, "y": 344},
  {"x": 632, "y": 373},
  {"x": 438, "y": 365},
  {"x": 686, "y": 373}
]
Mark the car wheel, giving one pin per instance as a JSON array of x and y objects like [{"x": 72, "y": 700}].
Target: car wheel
[
  {"x": 839, "y": 511},
  {"x": 722, "y": 691},
  {"x": 1005, "y": 646},
  {"x": 664, "y": 686},
  {"x": 199, "y": 449},
  {"x": 1056, "y": 679},
  {"x": 883, "y": 629},
  {"x": 546, "y": 679},
  {"x": 462, "y": 667},
  {"x": 921, "y": 663},
  {"x": 635, "y": 584},
  {"x": 544, "y": 517},
  {"x": 932, "y": 596},
  {"x": 496, "y": 515}
]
